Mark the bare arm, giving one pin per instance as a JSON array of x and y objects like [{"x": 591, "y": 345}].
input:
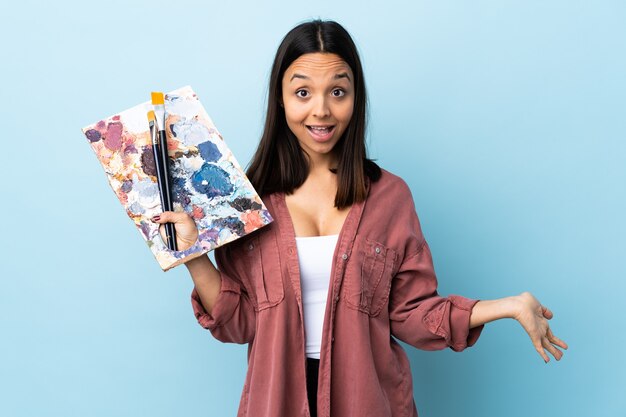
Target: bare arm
[
  {"x": 205, "y": 276},
  {"x": 527, "y": 310},
  {"x": 486, "y": 311},
  {"x": 206, "y": 279}
]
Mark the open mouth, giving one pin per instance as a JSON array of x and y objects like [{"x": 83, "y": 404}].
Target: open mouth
[{"x": 321, "y": 132}]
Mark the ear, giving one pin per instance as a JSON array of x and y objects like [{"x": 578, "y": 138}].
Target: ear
[{"x": 281, "y": 103}]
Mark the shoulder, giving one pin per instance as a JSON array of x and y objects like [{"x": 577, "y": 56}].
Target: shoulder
[
  {"x": 391, "y": 186},
  {"x": 390, "y": 197},
  {"x": 390, "y": 215}
]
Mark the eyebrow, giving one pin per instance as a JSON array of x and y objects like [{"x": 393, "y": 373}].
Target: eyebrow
[{"x": 336, "y": 77}]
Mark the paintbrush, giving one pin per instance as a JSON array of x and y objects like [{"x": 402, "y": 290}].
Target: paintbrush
[
  {"x": 161, "y": 159},
  {"x": 156, "y": 151}
]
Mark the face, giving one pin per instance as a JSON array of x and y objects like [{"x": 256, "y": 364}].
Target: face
[{"x": 318, "y": 97}]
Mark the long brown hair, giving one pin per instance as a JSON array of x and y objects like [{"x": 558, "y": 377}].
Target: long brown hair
[{"x": 279, "y": 163}]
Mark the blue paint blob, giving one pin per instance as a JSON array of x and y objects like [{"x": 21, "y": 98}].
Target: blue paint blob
[
  {"x": 127, "y": 186},
  {"x": 136, "y": 209},
  {"x": 209, "y": 151},
  {"x": 212, "y": 181},
  {"x": 231, "y": 223},
  {"x": 93, "y": 135},
  {"x": 179, "y": 193},
  {"x": 210, "y": 234}
]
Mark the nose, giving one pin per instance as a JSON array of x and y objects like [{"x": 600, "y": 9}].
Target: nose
[{"x": 321, "y": 109}]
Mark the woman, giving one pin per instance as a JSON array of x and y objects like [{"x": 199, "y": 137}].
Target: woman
[{"x": 318, "y": 293}]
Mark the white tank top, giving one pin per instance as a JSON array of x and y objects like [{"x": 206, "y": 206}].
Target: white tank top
[{"x": 315, "y": 256}]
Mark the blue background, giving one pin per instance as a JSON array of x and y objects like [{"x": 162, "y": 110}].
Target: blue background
[{"x": 506, "y": 118}]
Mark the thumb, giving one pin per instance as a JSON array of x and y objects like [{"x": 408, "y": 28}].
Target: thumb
[{"x": 547, "y": 313}]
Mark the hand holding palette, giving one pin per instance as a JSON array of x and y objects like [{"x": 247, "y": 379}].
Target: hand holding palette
[{"x": 207, "y": 182}]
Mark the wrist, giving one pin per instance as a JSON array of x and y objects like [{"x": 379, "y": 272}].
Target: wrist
[
  {"x": 512, "y": 306},
  {"x": 199, "y": 262},
  {"x": 486, "y": 311}
]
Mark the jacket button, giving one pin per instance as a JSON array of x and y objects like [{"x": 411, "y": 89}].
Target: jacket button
[
  {"x": 377, "y": 250},
  {"x": 251, "y": 246},
  {"x": 333, "y": 339},
  {"x": 344, "y": 256}
]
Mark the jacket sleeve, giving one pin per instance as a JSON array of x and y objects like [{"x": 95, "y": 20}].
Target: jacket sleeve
[
  {"x": 422, "y": 318},
  {"x": 233, "y": 318}
]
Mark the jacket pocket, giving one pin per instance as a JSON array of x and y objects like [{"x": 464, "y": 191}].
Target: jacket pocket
[
  {"x": 262, "y": 270},
  {"x": 368, "y": 276}
]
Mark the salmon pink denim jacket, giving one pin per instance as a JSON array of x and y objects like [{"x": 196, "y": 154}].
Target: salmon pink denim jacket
[{"x": 382, "y": 288}]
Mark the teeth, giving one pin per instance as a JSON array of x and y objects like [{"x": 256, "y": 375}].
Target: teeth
[{"x": 320, "y": 129}]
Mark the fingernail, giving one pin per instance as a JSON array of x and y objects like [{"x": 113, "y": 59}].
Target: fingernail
[{"x": 156, "y": 218}]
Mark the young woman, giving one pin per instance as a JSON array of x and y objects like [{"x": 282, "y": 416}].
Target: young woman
[{"x": 318, "y": 293}]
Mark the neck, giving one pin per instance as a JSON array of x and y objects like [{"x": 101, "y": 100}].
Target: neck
[{"x": 322, "y": 164}]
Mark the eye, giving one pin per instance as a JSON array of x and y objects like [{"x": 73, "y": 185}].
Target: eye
[
  {"x": 302, "y": 93},
  {"x": 338, "y": 92}
]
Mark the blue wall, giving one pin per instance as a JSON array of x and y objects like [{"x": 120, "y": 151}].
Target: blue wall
[{"x": 506, "y": 118}]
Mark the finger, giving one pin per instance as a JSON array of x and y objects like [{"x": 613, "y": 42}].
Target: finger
[
  {"x": 555, "y": 340},
  {"x": 547, "y": 313},
  {"x": 539, "y": 348},
  {"x": 552, "y": 349},
  {"x": 170, "y": 217}
]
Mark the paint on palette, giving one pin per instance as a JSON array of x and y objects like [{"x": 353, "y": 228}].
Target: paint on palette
[
  {"x": 212, "y": 181},
  {"x": 147, "y": 161},
  {"x": 207, "y": 181},
  {"x": 209, "y": 151}
]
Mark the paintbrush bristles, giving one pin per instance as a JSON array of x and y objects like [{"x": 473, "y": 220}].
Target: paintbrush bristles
[
  {"x": 151, "y": 116},
  {"x": 157, "y": 98}
]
